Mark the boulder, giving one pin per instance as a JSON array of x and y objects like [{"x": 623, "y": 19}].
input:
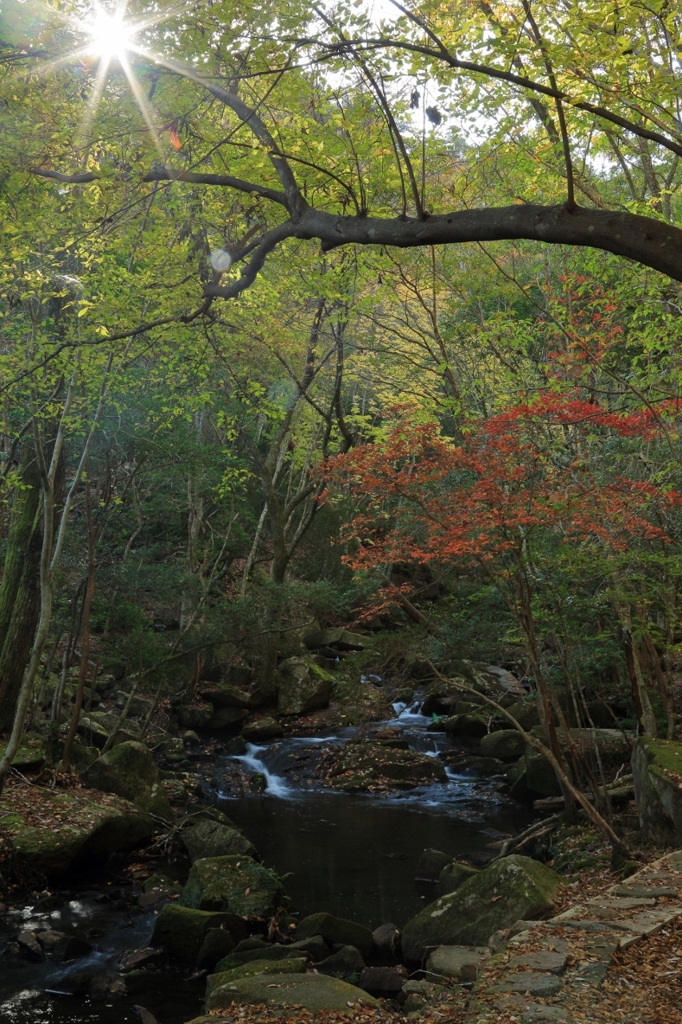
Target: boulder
[
  {"x": 314, "y": 947},
  {"x": 262, "y": 729},
  {"x": 226, "y": 718},
  {"x": 213, "y": 839},
  {"x": 363, "y": 766},
  {"x": 226, "y": 696},
  {"x": 215, "y": 982},
  {"x": 453, "y": 875},
  {"x": 456, "y": 963},
  {"x": 344, "y": 963},
  {"x": 97, "y": 726},
  {"x": 383, "y": 982},
  {"x": 505, "y": 745},
  {"x": 182, "y": 930},
  {"x": 613, "y": 743},
  {"x": 235, "y": 884},
  {"x": 430, "y": 865},
  {"x": 387, "y": 943},
  {"x": 336, "y": 639},
  {"x": 240, "y": 676},
  {"x": 247, "y": 956},
  {"x": 195, "y": 714},
  {"x": 508, "y": 890},
  {"x": 139, "y": 707},
  {"x": 128, "y": 770},
  {"x": 657, "y": 777},
  {"x": 79, "y": 826},
  {"x": 336, "y": 931},
  {"x": 474, "y": 725},
  {"x": 314, "y": 992},
  {"x": 526, "y": 711},
  {"x": 303, "y": 687},
  {"x": 541, "y": 777}
]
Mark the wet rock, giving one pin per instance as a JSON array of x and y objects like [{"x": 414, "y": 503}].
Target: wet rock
[
  {"x": 344, "y": 963},
  {"x": 128, "y": 770},
  {"x": 336, "y": 930},
  {"x": 303, "y": 687},
  {"x": 191, "y": 738},
  {"x": 383, "y": 982},
  {"x": 262, "y": 729},
  {"x": 512, "y": 888},
  {"x": 226, "y": 718},
  {"x": 314, "y": 992},
  {"x": 195, "y": 714},
  {"x": 215, "y": 982},
  {"x": 364, "y": 766},
  {"x": 74, "y": 948},
  {"x": 453, "y": 875},
  {"x": 141, "y": 959},
  {"x": 105, "y": 988},
  {"x": 456, "y": 963},
  {"x": 505, "y": 745},
  {"x": 217, "y": 944},
  {"x": 50, "y": 940},
  {"x": 29, "y": 945},
  {"x": 213, "y": 839},
  {"x": 235, "y": 884},
  {"x": 182, "y": 930},
  {"x": 387, "y": 942},
  {"x": 430, "y": 865}
]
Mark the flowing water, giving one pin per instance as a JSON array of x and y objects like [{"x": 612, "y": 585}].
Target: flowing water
[{"x": 352, "y": 855}]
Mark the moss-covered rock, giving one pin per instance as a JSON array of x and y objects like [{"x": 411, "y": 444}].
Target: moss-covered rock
[
  {"x": 182, "y": 930},
  {"x": 128, "y": 770},
  {"x": 226, "y": 696},
  {"x": 505, "y": 745},
  {"x": 454, "y": 875},
  {"x": 226, "y": 718},
  {"x": 233, "y": 883},
  {"x": 262, "y": 729},
  {"x": 214, "y": 982},
  {"x": 336, "y": 931},
  {"x": 511, "y": 889},
  {"x": 75, "y": 826},
  {"x": 97, "y": 726},
  {"x": 246, "y": 956},
  {"x": 541, "y": 778},
  {"x": 194, "y": 714},
  {"x": 657, "y": 776},
  {"x": 303, "y": 687},
  {"x": 314, "y": 992},
  {"x": 474, "y": 725},
  {"x": 213, "y": 839}
]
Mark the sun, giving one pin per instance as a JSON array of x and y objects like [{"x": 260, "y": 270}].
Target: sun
[{"x": 110, "y": 35}]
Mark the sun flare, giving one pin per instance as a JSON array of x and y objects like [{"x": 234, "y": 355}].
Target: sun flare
[{"x": 110, "y": 35}]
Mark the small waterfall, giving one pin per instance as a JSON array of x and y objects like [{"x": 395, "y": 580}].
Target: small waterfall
[{"x": 275, "y": 784}]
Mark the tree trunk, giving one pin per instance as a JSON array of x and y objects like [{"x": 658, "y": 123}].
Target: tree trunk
[{"x": 20, "y": 588}]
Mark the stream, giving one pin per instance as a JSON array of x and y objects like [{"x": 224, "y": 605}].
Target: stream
[{"x": 353, "y": 855}]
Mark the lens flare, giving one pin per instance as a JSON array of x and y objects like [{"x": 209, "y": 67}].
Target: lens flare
[{"x": 110, "y": 35}]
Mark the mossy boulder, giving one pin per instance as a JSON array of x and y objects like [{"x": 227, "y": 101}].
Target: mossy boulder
[
  {"x": 262, "y": 729},
  {"x": 303, "y": 687},
  {"x": 514, "y": 888},
  {"x": 235, "y": 884},
  {"x": 505, "y": 745},
  {"x": 226, "y": 696},
  {"x": 79, "y": 826},
  {"x": 128, "y": 770},
  {"x": 246, "y": 956},
  {"x": 526, "y": 711},
  {"x": 336, "y": 639},
  {"x": 314, "y": 992},
  {"x": 540, "y": 777},
  {"x": 226, "y": 718},
  {"x": 28, "y": 758},
  {"x": 657, "y": 777},
  {"x": 183, "y": 930},
  {"x": 97, "y": 726},
  {"x": 213, "y": 839},
  {"x": 474, "y": 725},
  {"x": 194, "y": 714},
  {"x": 214, "y": 982},
  {"x": 454, "y": 875},
  {"x": 336, "y": 931}
]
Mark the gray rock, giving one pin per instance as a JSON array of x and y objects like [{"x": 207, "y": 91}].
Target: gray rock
[
  {"x": 227, "y": 696},
  {"x": 227, "y": 717},
  {"x": 314, "y": 947},
  {"x": 474, "y": 725},
  {"x": 262, "y": 729},
  {"x": 431, "y": 864},
  {"x": 247, "y": 956},
  {"x": 182, "y": 930},
  {"x": 512, "y": 888},
  {"x": 314, "y": 992},
  {"x": 658, "y": 794},
  {"x": 345, "y": 962},
  {"x": 505, "y": 744},
  {"x": 530, "y": 983},
  {"x": 139, "y": 707},
  {"x": 97, "y": 726},
  {"x": 107, "y": 987},
  {"x": 216, "y": 982},
  {"x": 540, "y": 1014},
  {"x": 195, "y": 714},
  {"x": 384, "y": 982},
  {"x": 336, "y": 930},
  {"x": 541, "y": 960},
  {"x": 456, "y": 963},
  {"x": 541, "y": 777},
  {"x": 339, "y": 639},
  {"x": 452, "y": 876},
  {"x": 217, "y": 944},
  {"x": 526, "y": 712},
  {"x": 387, "y": 942},
  {"x": 303, "y": 687}
]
